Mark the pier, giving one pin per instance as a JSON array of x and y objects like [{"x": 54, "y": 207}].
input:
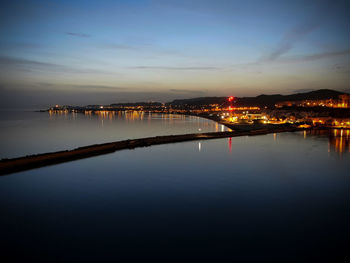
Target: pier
[{"x": 8, "y": 166}]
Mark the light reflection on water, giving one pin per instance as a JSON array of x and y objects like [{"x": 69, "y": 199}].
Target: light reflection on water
[
  {"x": 25, "y": 133},
  {"x": 338, "y": 139},
  {"x": 274, "y": 196}
]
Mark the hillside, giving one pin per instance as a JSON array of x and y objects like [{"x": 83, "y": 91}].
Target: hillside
[{"x": 261, "y": 100}]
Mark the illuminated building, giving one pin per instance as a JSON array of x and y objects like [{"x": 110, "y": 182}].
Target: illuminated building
[{"x": 343, "y": 101}]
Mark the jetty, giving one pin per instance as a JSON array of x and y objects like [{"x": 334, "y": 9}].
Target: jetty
[{"x": 8, "y": 166}]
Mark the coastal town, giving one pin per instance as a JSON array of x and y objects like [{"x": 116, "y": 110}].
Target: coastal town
[{"x": 323, "y": 108}]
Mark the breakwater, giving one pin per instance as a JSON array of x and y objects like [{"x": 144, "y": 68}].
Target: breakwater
[{"x": 8, "y": 166}]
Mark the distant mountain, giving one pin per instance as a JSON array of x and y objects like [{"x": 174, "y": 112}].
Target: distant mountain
[
  {"x": 321, "y": 94},
  {"x": 261, "y": 100}
]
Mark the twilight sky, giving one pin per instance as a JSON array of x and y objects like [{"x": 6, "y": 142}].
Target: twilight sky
[{"x": 101, "y": 52}]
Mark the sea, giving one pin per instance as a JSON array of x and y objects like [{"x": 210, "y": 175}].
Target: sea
[{"x": 278, "y": 197}]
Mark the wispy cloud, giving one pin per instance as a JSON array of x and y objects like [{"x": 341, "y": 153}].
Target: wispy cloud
[
  {"x": 39, "y": 86},
  {"x": 177, "y": 68},
  {"x": 77, "y": 34},
  {"x": 290, "y": 39},
  {"x": 7, "y": 63},
  {"x": 312, "y": 57},
  {"x": 97, "y": 87},
  {"x": 322, "y": 11},
  {"x": 19, "y": 45},
  {"x": 11, "y": 61},
  {"x": 152, "y": 50},
  {"x": 340, "y": 68},
  {"x": 255, "y": 67}
]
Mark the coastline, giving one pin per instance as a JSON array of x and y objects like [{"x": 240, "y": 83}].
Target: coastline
[{"x": 8, "y": 166}]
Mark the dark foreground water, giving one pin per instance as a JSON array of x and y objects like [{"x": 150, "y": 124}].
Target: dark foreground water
[{"x": 282, "y": 197}]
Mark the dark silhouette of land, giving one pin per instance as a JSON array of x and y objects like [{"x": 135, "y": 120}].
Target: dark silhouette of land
[{"x": 261, "y": 100}]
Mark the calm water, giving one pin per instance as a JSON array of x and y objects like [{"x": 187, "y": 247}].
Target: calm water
[
  {"x": 279, "y": 197},
  {"x": 27, "y": 132}
]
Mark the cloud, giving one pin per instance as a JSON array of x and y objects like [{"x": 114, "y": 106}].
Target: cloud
[
  {"x": 77, "y": 34},
  {"x": 41, "y": 86},
  {"x": 289, "y": 39},
  {"x": 316, "y": 56},
  {"x": 97, "y": 87},
  {"x": 176, "y": 68},
  {"x": 152, "y": 50},
  {"x": 323, "y": 12},
  {"x": 12, "y": 63},
  {"x": 19, "y": 45},
  {"x": 340, "y": 68},
  {"x": 255, "y": 67},
  {"x": 80, "y": 87}
]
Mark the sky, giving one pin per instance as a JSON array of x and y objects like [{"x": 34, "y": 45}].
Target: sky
[{"x": 102, "y": 52}]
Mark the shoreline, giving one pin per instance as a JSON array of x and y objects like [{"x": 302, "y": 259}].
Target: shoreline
[
  {"x": 214, "y": 118},
  {"x": 13, "y": 165}
]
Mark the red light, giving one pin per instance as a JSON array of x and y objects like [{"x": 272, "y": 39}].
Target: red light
[
  {"x": 230, "y": 108},
  {"x": 230, "y": 98},
  {"x": 230, "y": 144}
]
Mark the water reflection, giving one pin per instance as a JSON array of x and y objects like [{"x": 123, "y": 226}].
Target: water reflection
[
  {"x": 38, "y": 132},
  {"x": 131, "y": 116},
  {"x": 338, "y": 139},
  {"x": 266, "y": 197}
]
